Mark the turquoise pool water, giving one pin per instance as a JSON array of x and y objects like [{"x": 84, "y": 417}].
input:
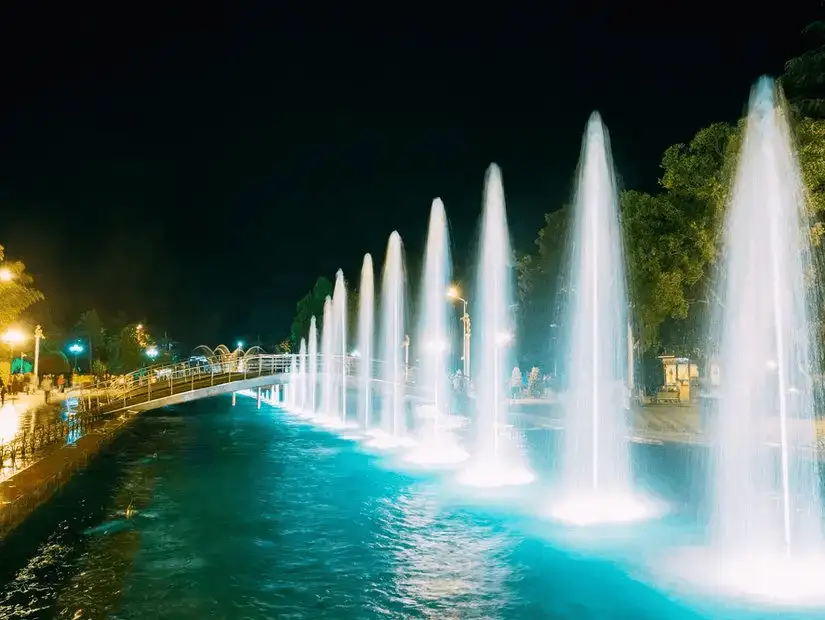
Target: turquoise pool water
[{"x": 209, "y": 511}]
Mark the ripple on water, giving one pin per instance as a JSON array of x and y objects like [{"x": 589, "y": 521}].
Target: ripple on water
[{"x": 296, "y": 523}]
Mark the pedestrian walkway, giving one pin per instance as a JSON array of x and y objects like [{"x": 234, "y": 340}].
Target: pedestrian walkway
[{"x": 24, "y": 412}]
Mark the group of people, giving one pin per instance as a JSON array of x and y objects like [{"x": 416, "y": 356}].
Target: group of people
[{"x": 27, "y": 383}]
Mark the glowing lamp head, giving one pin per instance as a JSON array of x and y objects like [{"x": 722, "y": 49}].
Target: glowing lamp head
[
  {"x": 139, "y": 326},
  {"x": 13, "y": 336},
  {"x": 503, "y": 338},
  {"x": 453, "y": 292},
  {"x": 6, "y": 275},
  {"x": 152, "y": 352},
  {"x": 76, "y": 348},
  {"x": 240, "y": 344}
]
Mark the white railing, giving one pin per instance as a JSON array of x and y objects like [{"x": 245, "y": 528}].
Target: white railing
[{"x": 164, "y": 380}]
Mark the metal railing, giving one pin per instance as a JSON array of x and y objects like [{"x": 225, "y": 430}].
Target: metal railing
[{"x": 162, "y": 381}]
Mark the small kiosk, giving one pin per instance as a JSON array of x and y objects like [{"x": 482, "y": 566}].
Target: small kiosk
[{"x": 679, "y": 374}]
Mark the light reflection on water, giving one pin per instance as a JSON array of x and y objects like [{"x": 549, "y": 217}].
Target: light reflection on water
[{"x": 237, "y": 513}]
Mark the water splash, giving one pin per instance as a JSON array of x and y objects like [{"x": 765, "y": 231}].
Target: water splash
[
  {"x": 292, "y": 384},
  {"x": 393, "y": 373},
  {"x": 766, "y": 522},
  {"x": 366, "y": 314},
  {"x": 438, "y": 445},
  {"x": 497, "y": 457},
  {"x": 327, "y": 365},
  {"x": 596, "y": 477},
  {"x": 312, "y": 375},
  {"x": 302, "y": 376},
  {"x": 339, "y": 312}
]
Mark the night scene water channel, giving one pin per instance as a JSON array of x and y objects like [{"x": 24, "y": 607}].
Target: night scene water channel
[{"x": 211, "y": 511}]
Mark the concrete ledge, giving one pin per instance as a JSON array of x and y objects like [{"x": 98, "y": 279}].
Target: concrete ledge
[{"x": 22, "y": 493}]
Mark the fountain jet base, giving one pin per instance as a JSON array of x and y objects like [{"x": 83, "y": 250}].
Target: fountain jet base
[
  {"x": 495, "y": 473},
  {"x": 767, "y": 578},
  {"x": 381, "y": 440},
  {"x": 586, "y": 508},
  {"x": 437, "y": 451}
]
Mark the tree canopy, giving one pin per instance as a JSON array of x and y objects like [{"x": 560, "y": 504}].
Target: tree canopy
[
  {"x": 311, "y": 304},
  {"x": 17, "y": 292}
]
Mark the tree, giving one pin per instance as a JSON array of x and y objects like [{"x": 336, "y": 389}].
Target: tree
[
  {"x": 311, "y": 304},
  {"x": 804, "y": 77},
  {"x": 16, "y": 290},
  {"x": 539, "y": 283},
  {"x": 89, "y": 328},
  {"x": 672, "y": 238},
  {"x": 127, "y": 348}
]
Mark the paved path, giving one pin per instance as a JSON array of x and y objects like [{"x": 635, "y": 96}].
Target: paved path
[{"x": 26, "y": 411}]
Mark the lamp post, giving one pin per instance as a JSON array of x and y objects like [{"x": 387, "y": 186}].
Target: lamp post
[
  {"x": 152, "y": 352},
  {"x": 454, "y": 294},
  {"x": 38, "y": 335},
  {"x": 12, "y": 337},
  {"x": 76, "y": 349}
]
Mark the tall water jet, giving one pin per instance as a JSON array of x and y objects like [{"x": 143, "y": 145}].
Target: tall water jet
[
  {"x": 366, "y": 314},
  {"x": 437, "y": 444},
  {"x": 292, "y": 383},
  {"x": 312, "y": 361},
  {"x": 766, "y": 527},
  {"x": 339, "y": 312},
  {"x": 497, "y": 458},
  {"x": 596, "y": 482},
  {"x": 327, "y": 366},
  {"x": 302, "y": 376},
  {"x": 393, "y": 373}
]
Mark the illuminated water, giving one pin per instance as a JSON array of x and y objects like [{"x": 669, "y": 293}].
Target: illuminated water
[
  {"x": 339, "y": 347},
  {"x": 312, "y": 374},
  {"x": 497, "y": 459},
  {"x": 766, "y": 529},
  {"x": 303, "y": 383},
  {"x": 366, "y": 340},
  {"x": 595, "y": 478},
  {"x": 437, "y": 443},
  {"x": 327, "y": 398},
  {"x": 391, "y": 346},
  {"x": 242, "y": 513}
]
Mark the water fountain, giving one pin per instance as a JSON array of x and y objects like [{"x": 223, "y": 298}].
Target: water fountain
[
  {"x": 312, "y": 374},
  {"x": 302, "y": 376},
  {"x": 339, "y": 314},
  {"x": 596, "y": 481},
  {"x": 766, "y": 522},
  {"x": 366, "y": 314},
  {"x": 393, "y": 432},
  {"x": 292, "y": 384},
  {"x": 327, "y": 366},
  {"x": 497, "y": 458},
  {"x": 437, "y": 442}
]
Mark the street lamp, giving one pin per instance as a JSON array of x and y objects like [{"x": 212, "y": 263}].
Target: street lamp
[
  {"x": 76, "y": 349},
  {"x": 6, "y": 275},
  {"x": 152, "y": 352},
  {"x": 38, "y": 336},
  {"x": 12, "y": 337},
  {"x": 455, "y": 294},
  {"x": 240, "y": 344}
]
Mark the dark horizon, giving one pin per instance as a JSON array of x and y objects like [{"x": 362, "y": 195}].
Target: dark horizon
[{"x": 201, "y": 168}]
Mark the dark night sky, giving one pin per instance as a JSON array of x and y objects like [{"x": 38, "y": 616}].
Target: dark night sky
[{"x": 201, "y": 166}]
